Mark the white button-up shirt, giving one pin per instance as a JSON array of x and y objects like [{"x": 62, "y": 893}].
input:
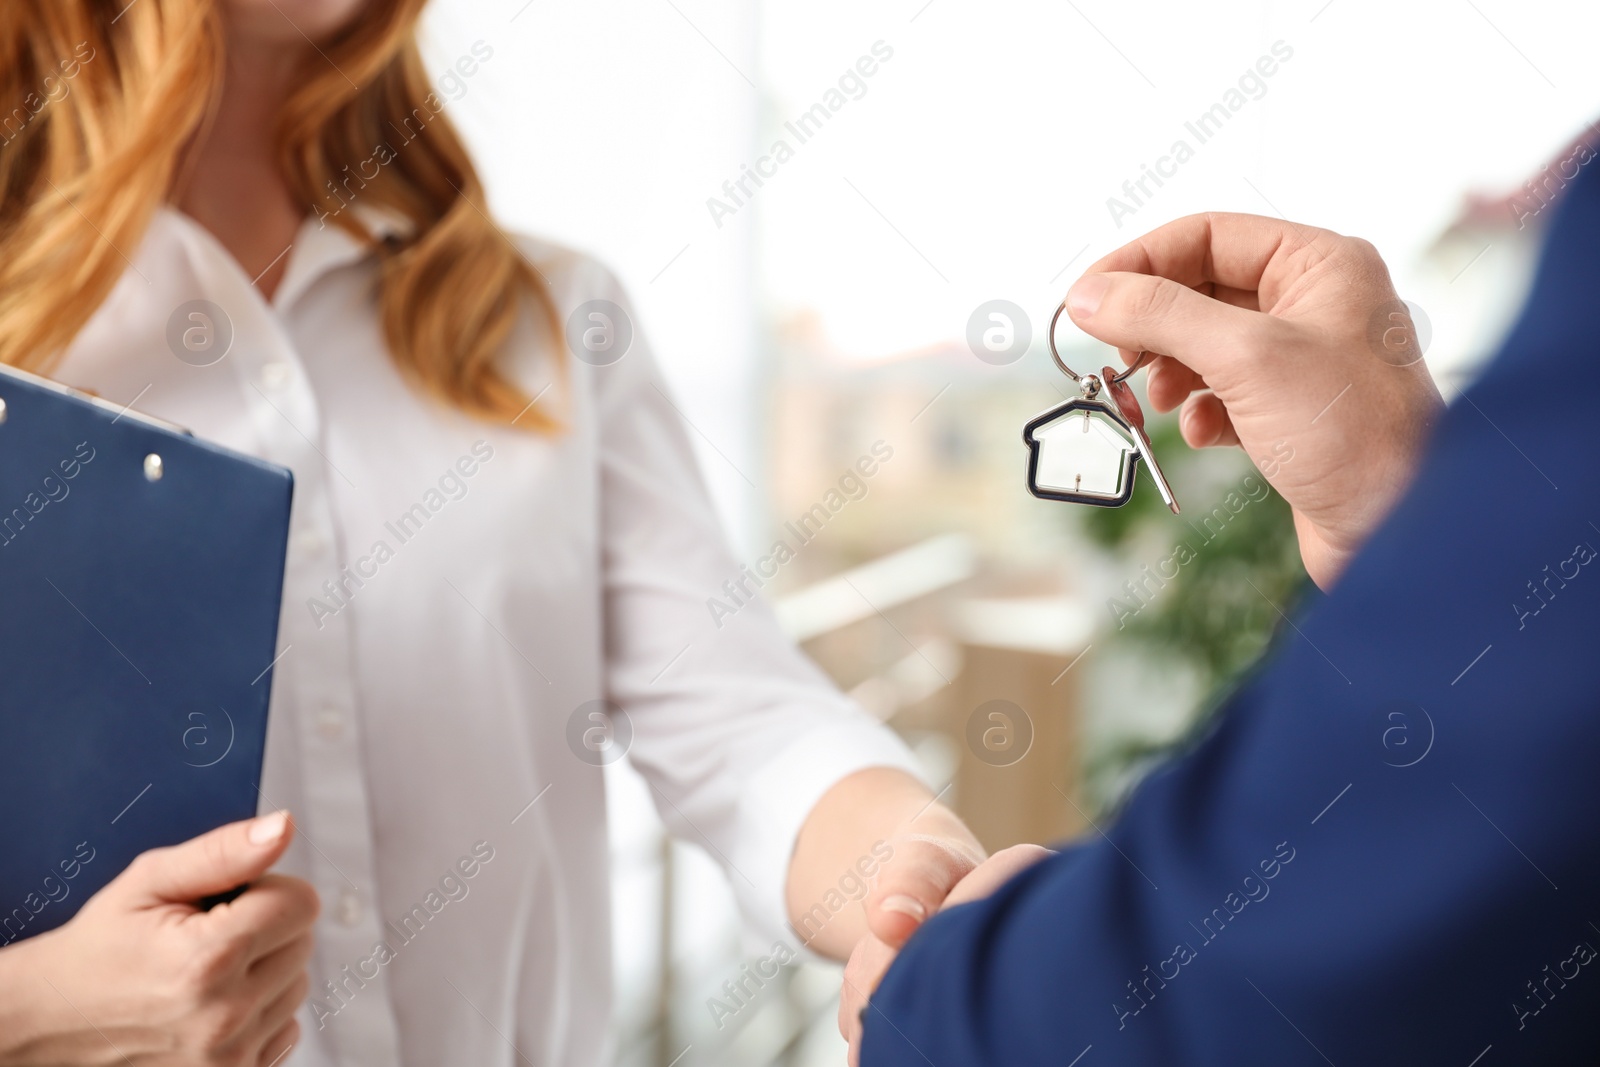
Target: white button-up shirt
[{"x": 459, "y": 599}]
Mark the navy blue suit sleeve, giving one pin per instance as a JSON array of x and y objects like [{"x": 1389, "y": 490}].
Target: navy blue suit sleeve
[{"x": 1388, "y": 848}]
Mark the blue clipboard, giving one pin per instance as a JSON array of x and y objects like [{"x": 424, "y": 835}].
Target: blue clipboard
[{"x": 141, "y": 573}]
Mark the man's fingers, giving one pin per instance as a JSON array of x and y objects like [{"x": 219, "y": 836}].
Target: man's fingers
[
  {"x": 996, "y": 871},
  {"x": 1248, "y": 299},
  {"x": 867, "y": 964},
  {"x": 279, "y": 1044},
  {"x": 913, "y": 885},
  {"x": 1168, "y": 383},
  {"x": 1205, "y": 422},
  {"x": 1147, "y": 313},
  {"x": 1230, "y": 250}
]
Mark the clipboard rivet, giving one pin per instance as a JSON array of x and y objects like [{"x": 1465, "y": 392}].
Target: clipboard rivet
[{"x": 153, "y": 469}]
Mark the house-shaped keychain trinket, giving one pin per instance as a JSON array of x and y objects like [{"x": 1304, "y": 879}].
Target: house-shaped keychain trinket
[
  {"x": 1084, "y": 452},
  {"x": 1079, "y": 452}
]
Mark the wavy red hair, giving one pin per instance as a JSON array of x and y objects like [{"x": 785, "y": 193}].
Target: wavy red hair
[{"x": 105, "y": 99}]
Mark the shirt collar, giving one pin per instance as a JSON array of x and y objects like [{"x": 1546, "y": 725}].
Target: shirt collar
[{"x": 319, "y": 247}]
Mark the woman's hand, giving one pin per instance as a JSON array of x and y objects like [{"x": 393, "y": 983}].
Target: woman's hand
[
  {"x": 874, "y": 953},
  {"x": 142, "y": 976},
  {"x": 880, "y": 841},
  {"x": 1287, "y": 341},
  {"x": 877, "y": 855}
]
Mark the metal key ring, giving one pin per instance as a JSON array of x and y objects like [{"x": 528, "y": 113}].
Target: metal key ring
[{"x": 1116, "y": 379}]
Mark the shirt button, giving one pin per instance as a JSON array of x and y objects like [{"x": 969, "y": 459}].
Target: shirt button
[
  {"x": 348, "y": 910},
  {"x": 330, "y": 723},
  {"x": 275, "y": 375}
]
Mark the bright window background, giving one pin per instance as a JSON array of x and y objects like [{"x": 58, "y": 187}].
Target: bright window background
[{"x": 976, "y": 165}]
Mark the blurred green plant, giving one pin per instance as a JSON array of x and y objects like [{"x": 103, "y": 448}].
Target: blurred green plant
[
  {"x": 1221, "y": 610},
  {"x": 1219, "y": 613}
]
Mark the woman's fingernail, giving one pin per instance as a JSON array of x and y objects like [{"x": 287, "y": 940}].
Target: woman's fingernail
[
  {"x": 269, "y": 829},
  {"x": 1083, "y": 299},
  {"x": 905, "y": 906}
]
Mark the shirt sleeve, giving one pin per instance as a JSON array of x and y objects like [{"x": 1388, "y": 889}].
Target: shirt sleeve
[
  {"x": 736, "y": 732},
  {"x": 1386, "y": 849}
]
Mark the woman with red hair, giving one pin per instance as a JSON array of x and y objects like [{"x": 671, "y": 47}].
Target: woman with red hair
[{"x": 253, "y": 218}]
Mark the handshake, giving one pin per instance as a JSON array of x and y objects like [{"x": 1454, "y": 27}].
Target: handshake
[{"x": 927, "y": 874}]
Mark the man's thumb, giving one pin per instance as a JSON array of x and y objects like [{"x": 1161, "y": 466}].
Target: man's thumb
[
  {"x": 225, "y": 858},
  {"x": 1147, "y": 313}
]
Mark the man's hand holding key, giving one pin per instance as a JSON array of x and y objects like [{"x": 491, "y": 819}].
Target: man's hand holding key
[{"x": 1285, "y": 340}]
